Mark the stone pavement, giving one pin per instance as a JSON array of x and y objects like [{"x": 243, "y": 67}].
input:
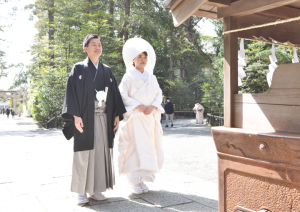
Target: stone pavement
[{"x": 36, "y": 165}]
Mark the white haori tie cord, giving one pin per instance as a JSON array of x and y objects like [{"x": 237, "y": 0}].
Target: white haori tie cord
[
  {"x": 241, "y": 62},
  {"x": 272, "y": 66},
  {"x": 101, "y": 96}
]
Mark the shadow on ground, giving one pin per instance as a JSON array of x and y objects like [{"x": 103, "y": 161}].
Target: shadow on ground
[
  {"x": 188, "y": 130},
  {"x": 155, "y": 201},
  {"x": 33, "y": 133}
]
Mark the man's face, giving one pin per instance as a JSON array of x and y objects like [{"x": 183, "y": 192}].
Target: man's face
[{"x": 94, "y": 49}]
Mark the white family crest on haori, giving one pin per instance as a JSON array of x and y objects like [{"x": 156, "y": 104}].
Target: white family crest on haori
[
  {"x": 272, "y": 66},
  {"x": 132, "y": 48},
  {"x": 241, "y": 62}
]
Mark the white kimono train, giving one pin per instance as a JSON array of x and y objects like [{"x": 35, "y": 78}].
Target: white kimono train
[{"x": 140, "y": 136}]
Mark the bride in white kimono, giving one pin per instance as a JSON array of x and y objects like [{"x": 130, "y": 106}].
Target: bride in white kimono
[{"x": 140, "y": 135}]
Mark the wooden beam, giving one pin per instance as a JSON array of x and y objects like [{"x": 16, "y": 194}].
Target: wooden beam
[
  {"x": 185, "y": 10},
  {"x": 219, "y": 3},
  {"x": 281, "y": 33},
  {"x": 230, "y": 69},
  {"x": 247, "y": 7},
  {"x": 174, "y": 4},
  {"x": 282, "y": 12},
  {"x": 167, "y": 3},
  {"x": 206, "y": 14}
]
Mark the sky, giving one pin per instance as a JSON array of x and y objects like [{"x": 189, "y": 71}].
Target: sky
[{"x": 19, "y": 37}]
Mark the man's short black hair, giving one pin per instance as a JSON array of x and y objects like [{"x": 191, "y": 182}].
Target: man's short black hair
[
  {"x": 88, "y": 38},
  {"x": 168, "y": 98},
  {"x": 198, "y": 102}
]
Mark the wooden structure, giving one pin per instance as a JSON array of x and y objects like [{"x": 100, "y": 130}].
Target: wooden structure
[
  {"x": 259, "y": 145},
  {"x": 12, "y": 94}
]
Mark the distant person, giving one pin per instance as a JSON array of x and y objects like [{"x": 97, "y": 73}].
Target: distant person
[
  {"x": 169, "y": 108},
  {"x": 3, "y": 112},
  {"x": 162, "y": 115},
  {"x": 199, "y": 110},
  {"x": 7, "y": 112},
  {"x": 12, "y": 114}
]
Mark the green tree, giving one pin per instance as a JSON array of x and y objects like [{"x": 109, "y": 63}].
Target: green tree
[
  {"x": 257, "y": 59},
  {"x": 213, "y": 99},
  {"x": 62, "y": 25}
]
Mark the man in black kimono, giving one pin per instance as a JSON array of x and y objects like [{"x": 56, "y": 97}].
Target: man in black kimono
[{"x": 92, "y": 110}]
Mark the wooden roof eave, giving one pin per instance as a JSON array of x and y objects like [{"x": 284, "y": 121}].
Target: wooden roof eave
[
  {"x": 181, "y": 11},
  {"x": 260, "y": 12}
]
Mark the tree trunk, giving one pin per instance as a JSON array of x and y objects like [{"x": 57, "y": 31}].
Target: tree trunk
[
  {"x": 51, "y": 25},
  {"x": 51, "y": 20},
  {"x": 124, "y": 31},
  {"x": 127, "y": 13},
  {"x": 171, "y": 65},
  {"x": 193, "y": 40},
  {"x": 111, "y": 19}
]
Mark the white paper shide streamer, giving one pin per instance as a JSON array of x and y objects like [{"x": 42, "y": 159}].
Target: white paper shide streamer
[
  {"x": 272, "y": 66},
  {"x": 241, "y": 62},
  {"x": 295, "y": 59}
]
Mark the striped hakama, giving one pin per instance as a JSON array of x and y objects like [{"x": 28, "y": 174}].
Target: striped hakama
[{"x": 93, "y": 170}]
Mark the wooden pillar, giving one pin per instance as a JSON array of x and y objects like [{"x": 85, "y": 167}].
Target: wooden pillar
[{"x": 230, "y": 69}]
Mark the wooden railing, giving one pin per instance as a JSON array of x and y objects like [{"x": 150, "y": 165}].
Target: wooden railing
[{"x": 55, "y": 119}]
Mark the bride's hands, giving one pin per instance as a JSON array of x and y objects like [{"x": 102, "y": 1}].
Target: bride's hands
[
  {"x": 141, "y": 108},
  {"x": 149, "y": 110}
]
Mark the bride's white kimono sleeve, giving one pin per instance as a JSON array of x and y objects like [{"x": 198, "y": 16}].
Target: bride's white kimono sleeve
[
  {"x": 124, "y": 87},
  {"x": 140, "y": 135}
]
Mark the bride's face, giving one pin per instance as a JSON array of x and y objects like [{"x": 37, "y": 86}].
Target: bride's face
[{"x": 141, "y": 60}]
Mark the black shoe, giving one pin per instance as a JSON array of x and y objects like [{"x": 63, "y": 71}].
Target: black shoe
[
  {"x": 171, "y": 125},
  {"x": 166, "y": 126}
]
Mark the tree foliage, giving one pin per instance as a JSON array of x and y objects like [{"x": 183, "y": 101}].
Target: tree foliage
[
  {"x": 257, "y": 59},
  {"x": 179, "y": 50},
  {"x": 213, "y": 98}
]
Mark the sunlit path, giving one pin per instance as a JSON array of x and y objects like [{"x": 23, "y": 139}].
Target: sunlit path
[
  {"x": 36, "y": 172},
  {"x": 7, "y": 124}
]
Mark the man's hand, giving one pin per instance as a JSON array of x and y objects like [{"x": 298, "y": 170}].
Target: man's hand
[
  {"x": 116, "y": 123},
  {"x": 149, "y": 110},
  {"x": 78, "y": 124},
  {"x": 141, "y": 108}
]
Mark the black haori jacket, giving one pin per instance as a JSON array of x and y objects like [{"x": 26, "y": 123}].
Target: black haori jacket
[{"x": 80, "y": 101}]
